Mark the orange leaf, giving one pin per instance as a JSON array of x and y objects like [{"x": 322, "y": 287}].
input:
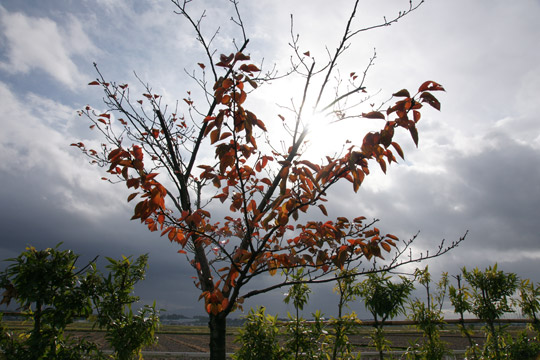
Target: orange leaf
[
  {"x": 227, "y": 83},
  {"x": 161, "y": 218},
  {"x": 214, "y": 136},
  {"x": 172, "y": 234}
]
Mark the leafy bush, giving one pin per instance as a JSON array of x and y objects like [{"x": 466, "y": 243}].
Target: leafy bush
[
  {"x": 51, "y": 293},
  {"x": 523, "y": 348},
  {"x": 259, "y": 337}
]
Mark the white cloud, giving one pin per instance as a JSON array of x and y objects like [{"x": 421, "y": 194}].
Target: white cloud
[
  {"x": 40, "y": 43},
  {"x": 34, "y": 143}
]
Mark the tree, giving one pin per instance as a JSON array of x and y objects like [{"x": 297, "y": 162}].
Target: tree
[
  {"x": 429, "y": 316},
  {"x": 490, "y": 298},
  {"x": 127, "y": 332},
  {"x": 347, "y": 290},
  {"x": 530, "y": 302},
  {"x": 49, "y": 291},
  {"x": 303, "y": 342},
  {"x": 459, "y": 297},
  {"x": 160, "y": 154},
  {"x": 258, "y": 337},
  {"x": 52, "y": 292},
  {"x": 385, "y": 300}
]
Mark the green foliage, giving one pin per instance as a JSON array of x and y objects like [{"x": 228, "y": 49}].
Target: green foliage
[
  {"x": 304, "y": 340},
  {"x": 49, "y": 291},
  {"x": 259, "y": 337},
  {"x": 523, "y": 347},
  {"x": 298, "y": 292},
  {"x": 52, "y": 293},
  {"x": 530, "y": 302},
  {"x": 429, "y": 318},
  {"x": 459, "y": 297},
  {"x": 127, "y": 332},
  {"x": 490, "y": 298},
  {"x": 491, "y": 291},
  {"x": 342, "y": 327},
  {"x": 385, "y": 300},
  {"x": 345, "y": 324}
]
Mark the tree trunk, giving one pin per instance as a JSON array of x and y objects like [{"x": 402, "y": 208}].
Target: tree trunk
[{"x": 218, "y": 333}]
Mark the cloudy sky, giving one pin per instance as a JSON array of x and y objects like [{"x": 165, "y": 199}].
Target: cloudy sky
[{"x": 476, "y": 169}]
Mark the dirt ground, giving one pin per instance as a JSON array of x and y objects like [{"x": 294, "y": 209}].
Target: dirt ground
[{"x": 199, "y": 343}]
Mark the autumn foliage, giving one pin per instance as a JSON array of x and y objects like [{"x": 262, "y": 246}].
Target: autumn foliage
[
  {"x": 264, "y": 219},
  {"x": 162, "y": 156}
]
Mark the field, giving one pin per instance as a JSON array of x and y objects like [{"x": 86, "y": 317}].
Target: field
[{"x": 192, "y": 341}]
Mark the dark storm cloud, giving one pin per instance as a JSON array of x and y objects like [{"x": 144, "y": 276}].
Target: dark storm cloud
[{"x": 476, "y": 167}]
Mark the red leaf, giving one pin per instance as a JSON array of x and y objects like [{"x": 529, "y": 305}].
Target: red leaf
[
  {"x": 137, "y": 152},
  {"x": 373, "y": 115},
  {"x": 182, "y": 252},
  {"x": 214, "y": 136},
  {"x": 252, "y": 83},
  {"x": 398, "y": 149},
  {"x": 249, "y": 68},
  {"x": 201, "y": 65},
  {"x": 241, "y": 57},
  {"x": 307, "y": 53},
  {"x": 226, "y": 59},
  {"x": 414, "y": 134},
  {"x": 323, "y": 209},
  {"x": 93, "y": 83},
  {"x": 416, "y": 115},
  {"x": 431, "y": 86},
  {"x": 402, "y": 93},
  {"x": 431, "y": 100},
  {"x": 225, "y": 135},
  {"x": 382, "y": 163}
]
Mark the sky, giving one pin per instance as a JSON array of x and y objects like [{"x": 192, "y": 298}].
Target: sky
[{"x": 476, "y": 168}]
